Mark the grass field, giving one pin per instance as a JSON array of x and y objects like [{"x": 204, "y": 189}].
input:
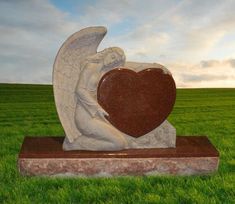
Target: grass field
[{"x": 30, "y": 110}]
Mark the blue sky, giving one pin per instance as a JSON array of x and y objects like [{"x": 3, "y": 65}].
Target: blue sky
[{"x": 195, "y": 40}]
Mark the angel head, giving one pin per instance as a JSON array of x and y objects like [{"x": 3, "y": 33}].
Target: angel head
[
  {"x": 114, "y": 57},
  {"x": 108, "y": 58}
]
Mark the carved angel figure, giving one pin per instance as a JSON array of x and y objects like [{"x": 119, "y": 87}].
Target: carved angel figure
[
  {"x": 89, "y": 115},
  {"x": 78, "y": 69}
]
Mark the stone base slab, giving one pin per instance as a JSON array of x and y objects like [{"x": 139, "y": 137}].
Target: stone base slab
[{"x": 41, "y": 156}]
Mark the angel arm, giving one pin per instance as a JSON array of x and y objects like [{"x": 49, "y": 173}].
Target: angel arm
[
  {"x": 87, "y": 101},
  {"x": 83, "y": 94}
]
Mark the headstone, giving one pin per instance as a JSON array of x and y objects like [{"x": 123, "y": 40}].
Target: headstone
[
  {"x": 104, "y": 107},
  {"x": 114, "y": 114}
]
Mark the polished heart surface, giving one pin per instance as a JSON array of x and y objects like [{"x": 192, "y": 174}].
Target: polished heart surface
[{"x": 137, "y": 102}]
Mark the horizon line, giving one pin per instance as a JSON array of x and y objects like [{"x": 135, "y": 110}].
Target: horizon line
[{"x": 50, "y": 84}]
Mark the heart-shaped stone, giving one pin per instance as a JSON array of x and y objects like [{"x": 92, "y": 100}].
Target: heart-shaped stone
[{"x": 137, "y": 102}]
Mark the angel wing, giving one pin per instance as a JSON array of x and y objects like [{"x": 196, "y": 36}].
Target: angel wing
[{"x": 66, "y": 72}]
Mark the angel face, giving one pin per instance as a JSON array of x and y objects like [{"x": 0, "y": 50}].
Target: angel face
[{"x": 115, "y": 57}]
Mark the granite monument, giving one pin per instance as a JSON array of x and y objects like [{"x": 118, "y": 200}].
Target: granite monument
[{"x": 114, "y": 114}]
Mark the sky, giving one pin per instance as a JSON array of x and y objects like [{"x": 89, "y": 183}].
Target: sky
[{"x": 194, "y": 39}]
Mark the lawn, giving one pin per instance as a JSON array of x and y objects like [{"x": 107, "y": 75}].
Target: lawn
[{"x": 30, "y": 110}]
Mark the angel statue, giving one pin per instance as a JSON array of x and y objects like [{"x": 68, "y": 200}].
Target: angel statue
[{"x": 78, "y": 69}]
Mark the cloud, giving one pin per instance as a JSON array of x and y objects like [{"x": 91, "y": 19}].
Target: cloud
[
  {"x": 206, "y": 73},
  {"x": 35, "y": 15},
  {"x": 202, "y": 77},
  {"x": 217, "y": 63},
  {"x": 231, "y": 62},
  {"x": 111, "y": 13},
  {"x": 180, "y": 30},
  {"x": 192, "y": 38},
  {"x": 31, "y": 32},
  {"x": 209, "y": 63}
]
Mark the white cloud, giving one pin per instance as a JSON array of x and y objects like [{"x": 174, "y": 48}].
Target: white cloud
[
  {"x": 209, "y": 63},
  {"x": 30, "y": 35},
  {"x": 183, "y": 35},
  {"x": 194, "y": 29},
  {"x": 207, "y": 73}
]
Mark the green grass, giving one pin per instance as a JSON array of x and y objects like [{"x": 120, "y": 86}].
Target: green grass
[{"x": 30, "y": 110}]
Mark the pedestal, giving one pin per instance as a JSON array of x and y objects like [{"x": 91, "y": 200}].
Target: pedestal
[{"x": 43, "y": 156}]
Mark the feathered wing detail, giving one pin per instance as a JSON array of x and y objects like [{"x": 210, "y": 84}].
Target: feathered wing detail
[{"x": 66, "y": 73}]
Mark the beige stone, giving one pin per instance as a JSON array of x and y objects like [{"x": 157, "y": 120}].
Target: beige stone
[{"x": 77, "y": 70}]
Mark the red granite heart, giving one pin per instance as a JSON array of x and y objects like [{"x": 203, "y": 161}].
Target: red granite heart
[{"x": 137, "y": 102}]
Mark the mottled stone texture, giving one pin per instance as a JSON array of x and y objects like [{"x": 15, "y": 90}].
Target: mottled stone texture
[
  {"x": 44, "y": 156},
  {"x": 117, "y": 166},
  {"x": 137, "y": 102},
  {"x": 164, "y": 136}
]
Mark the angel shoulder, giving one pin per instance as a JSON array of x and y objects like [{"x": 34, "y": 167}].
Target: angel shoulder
[{"x": 89, "y": 77}]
